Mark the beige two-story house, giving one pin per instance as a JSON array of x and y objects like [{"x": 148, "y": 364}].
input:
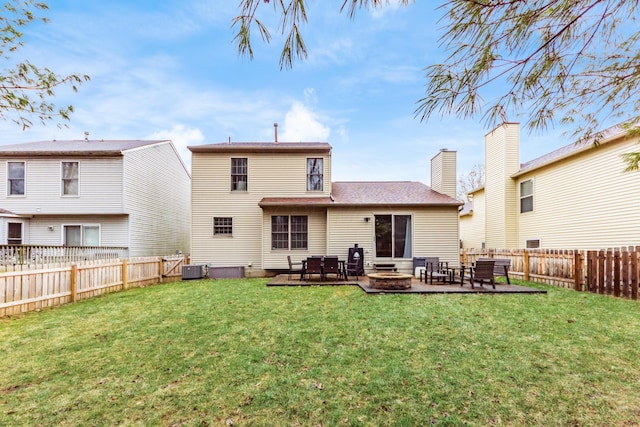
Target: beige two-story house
[
  {"x": 576, "y": 197},
  {"x": 254, "y": 204},
  {"x": 130, "y": 194}
]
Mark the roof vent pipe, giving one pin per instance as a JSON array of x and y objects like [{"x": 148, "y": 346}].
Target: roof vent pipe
[
  {"x": 86, "y": 135},
  {"x": 275, "y": 131}
]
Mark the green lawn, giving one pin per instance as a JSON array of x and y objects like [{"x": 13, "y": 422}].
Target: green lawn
[{"x": 236, "y": 352}]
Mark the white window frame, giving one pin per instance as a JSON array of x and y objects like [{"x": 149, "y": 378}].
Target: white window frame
[
  {"x": 24, "y": 179},
  {"x": 527, "y": 196},
  {"x": 230, "y": 226},
  {"x": 62, "y": 179},
  {"x": 526, "y": 243},
  {"x": 21, "y": 233},
  {"x": 239, "y": 186},
  {"x": 313, "y": 177},
  {"x": 82, "y": 230}
]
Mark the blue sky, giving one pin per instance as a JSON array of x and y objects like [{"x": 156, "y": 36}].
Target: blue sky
[{"x": 169, "y": 69}]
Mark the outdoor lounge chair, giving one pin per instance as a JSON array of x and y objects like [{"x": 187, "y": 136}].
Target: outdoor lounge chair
[
  {"x": 294, "y": 268},
  {"x": 314, "y": 266},
  {"x": 483, "y": 271},
  {"x": 501, "y": 267}
]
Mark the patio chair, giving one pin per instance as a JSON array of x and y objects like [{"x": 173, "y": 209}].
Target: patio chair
[
  {"x": 295, "y": 268},
  {"x": 434, "y": 269},
  {"x": 501, "y": 267},
  {"x": 481, "y": 271},
  {"x": 313, "y": 266},
  {"x": 353, "y": 269},
  {"x": 331, "y": 265}
]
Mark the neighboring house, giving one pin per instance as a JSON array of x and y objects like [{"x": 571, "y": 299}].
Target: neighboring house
[
  {"x": 576, "y": 197},
  {"x": 255, "y": 203},
  {"x": 133, "y": 194}
]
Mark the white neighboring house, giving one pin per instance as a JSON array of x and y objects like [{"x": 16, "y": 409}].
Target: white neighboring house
[{"x": 116, "y": 193}]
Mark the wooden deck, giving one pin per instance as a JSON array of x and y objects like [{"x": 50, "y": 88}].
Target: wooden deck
[{"x": 417, "y": 287}]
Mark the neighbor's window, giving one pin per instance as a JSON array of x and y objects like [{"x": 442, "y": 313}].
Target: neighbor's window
[
  {"x": 526, "y": 196},
  {"x": 393, "y": 236},
  {"x": 314, "y": 174},
  {"x": 81, "y": 235},
  {"x": 14, "y": 233},
  {"x": 532, "y": 244},
  {"x": 15, "y": 172},
  {"x": 69, "y": 178},
  {"x": 238, "y": 174},
  {"x": 222, "y": 226},
  {"x": 289, "y": 232}
]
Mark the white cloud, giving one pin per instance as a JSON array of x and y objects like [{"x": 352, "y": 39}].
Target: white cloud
[
  {"x": 182, "y": 137},
  {"x": 302, "y": 125}
]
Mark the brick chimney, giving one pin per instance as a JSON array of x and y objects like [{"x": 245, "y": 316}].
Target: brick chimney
[{"x": 443, "y": 172}]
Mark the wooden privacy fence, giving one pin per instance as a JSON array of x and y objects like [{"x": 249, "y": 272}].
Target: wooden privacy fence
[
  {"x": 24, "y": 289},
  {"x": 611, "y": 272}
]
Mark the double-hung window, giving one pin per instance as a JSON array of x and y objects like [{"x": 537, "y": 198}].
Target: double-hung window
[
  {"x": 16, "y": 176},
  {"x": 70, "y": 178},
  {"x": 289, "y": 232},
  {"x": 393, "y": 236},
  {"x": 239, "y": 174},
  {"x": 314, "y": 174},
  {"x": 526, "y": 196}
]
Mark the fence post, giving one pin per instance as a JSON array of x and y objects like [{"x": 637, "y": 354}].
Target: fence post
[
  {"x": 634, "y": 274},
  {"x": 525, "y": 266},
  {"x": 74, "y": 281},
  {"x": 577, "y": 270},
  {"x": 616, "y": 273},
  {"x": 160, "y": 269},
  {"x": 125, "y": 282},
  {"x": 625, "y": 274}
]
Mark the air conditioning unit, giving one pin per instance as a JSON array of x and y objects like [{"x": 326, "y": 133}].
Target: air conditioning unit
[{"x": 192, "y": 272}]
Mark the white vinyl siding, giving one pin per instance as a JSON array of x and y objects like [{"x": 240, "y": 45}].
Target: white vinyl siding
[
  {"x": 269, "y": 175},
  {"x": 501, "y": 193},
  {"x": 605, "y": 216},
  {"x": 435, "y": 233},
  {"x": 157, "y": 200},
  {"x": 472, "y": 226},
  {"x": 101, "y": 188}
]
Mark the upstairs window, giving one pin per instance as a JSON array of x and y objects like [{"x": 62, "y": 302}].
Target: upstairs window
[
  {"x": 69, "y": 178},
  {"x": 239, "y": 174},
  {"x": 314, "y": 174},
  {"x": 526, "y": 196},
  {"x": 15, "y": 172}
]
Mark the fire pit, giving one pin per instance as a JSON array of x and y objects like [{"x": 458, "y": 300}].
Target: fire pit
[{"x": 389, "y": 280}]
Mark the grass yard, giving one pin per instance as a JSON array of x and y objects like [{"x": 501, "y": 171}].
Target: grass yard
[{"x": 235, "y": 352}]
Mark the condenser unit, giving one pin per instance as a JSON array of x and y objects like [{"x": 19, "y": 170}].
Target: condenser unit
[{"x": 192, "y": 272}]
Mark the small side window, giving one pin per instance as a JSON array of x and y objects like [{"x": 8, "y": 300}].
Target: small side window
[
  {"x": 532, "y": 244},
  {"x": 222, "y": 226},
  {"x": 526, "y": 196}
]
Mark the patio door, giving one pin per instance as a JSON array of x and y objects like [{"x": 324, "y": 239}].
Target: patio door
[{"x": 393, "y": 236}]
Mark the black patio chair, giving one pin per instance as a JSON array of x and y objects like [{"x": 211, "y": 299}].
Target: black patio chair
[
  {"x": 331, "y": 265},
  {"x": 481, "y": 271},
  {"x": 295, "y": 268},
  {"x": 314, "y": 266}
]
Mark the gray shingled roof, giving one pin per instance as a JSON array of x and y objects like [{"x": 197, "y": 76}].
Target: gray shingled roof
[
  {"x": 74, "y": 147},
  {"x": 267, "y": 147},
  {"x": 400, "y": 193}
]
